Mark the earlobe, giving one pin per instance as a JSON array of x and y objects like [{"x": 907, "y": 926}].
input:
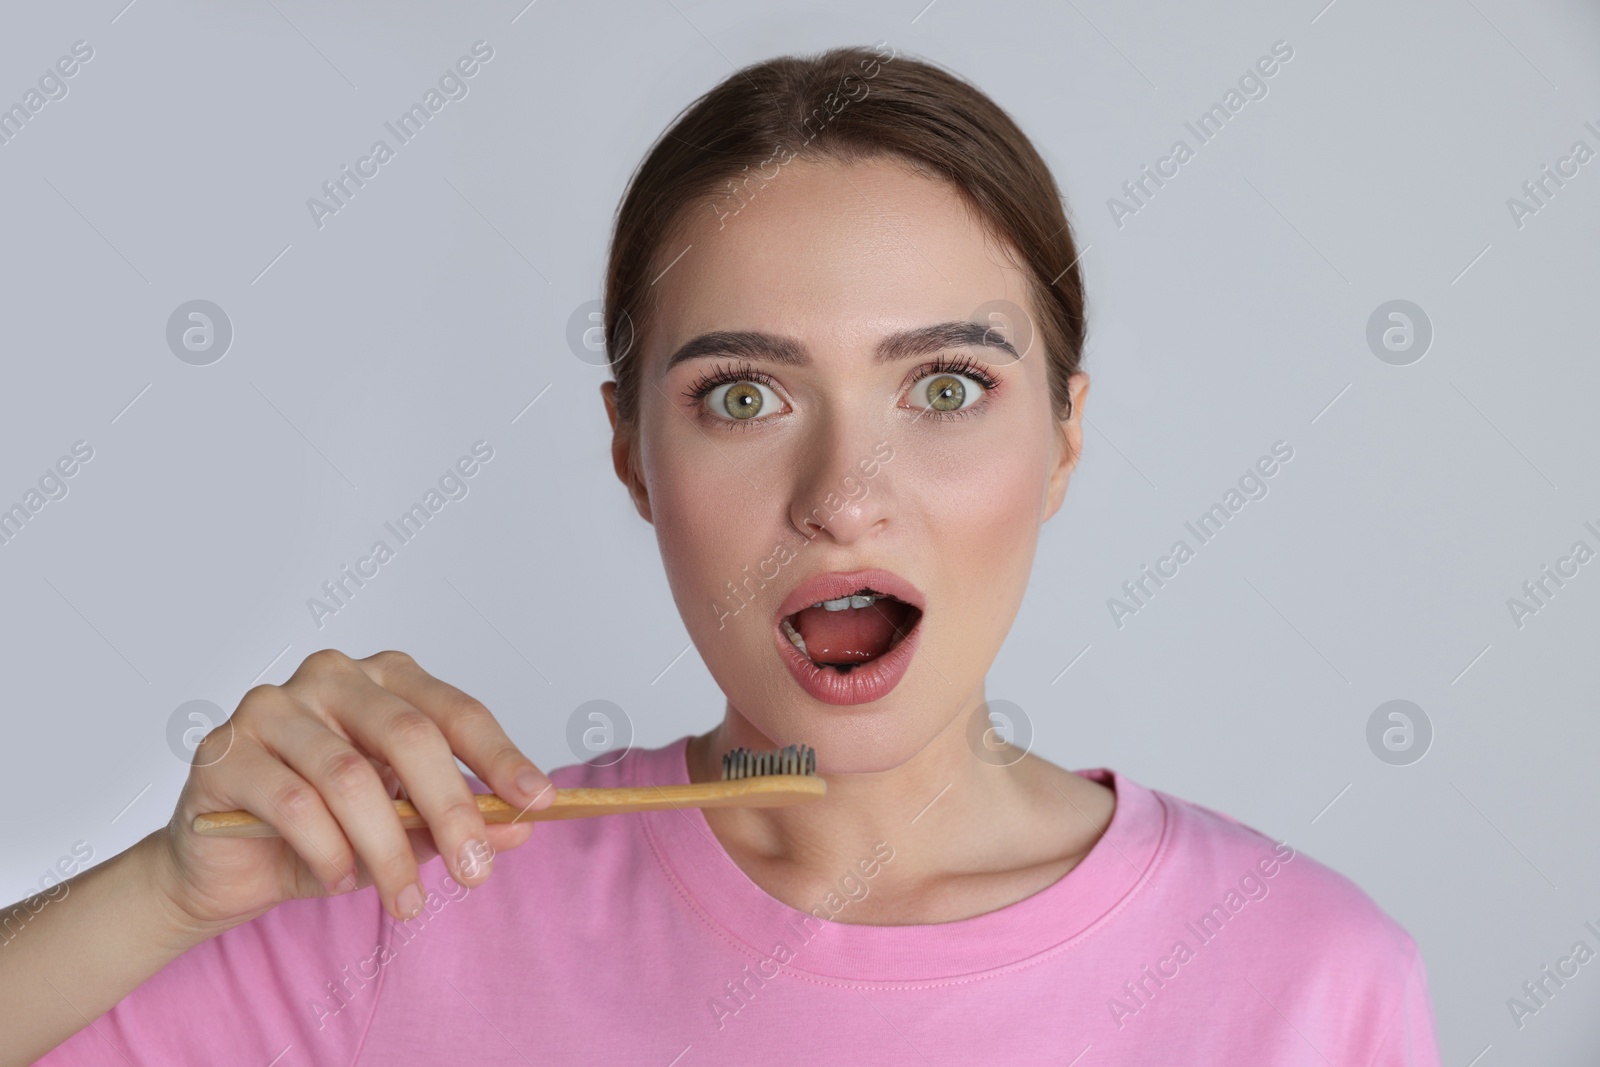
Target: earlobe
[
  {"x": 625, "y": 453},
  {"x": 633, "y": 480},
  {"x": 1068, "y": 446}
]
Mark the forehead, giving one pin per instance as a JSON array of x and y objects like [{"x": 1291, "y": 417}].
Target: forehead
[{"x": 832, "y": 254}]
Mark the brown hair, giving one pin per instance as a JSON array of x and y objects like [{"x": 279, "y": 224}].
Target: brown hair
[{"x": 846, "y": 104}]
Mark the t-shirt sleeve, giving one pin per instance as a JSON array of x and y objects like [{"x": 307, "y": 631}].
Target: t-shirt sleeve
[
  {"x": 1410, "y": 1039},
  {"x": 297, "y": 984}
]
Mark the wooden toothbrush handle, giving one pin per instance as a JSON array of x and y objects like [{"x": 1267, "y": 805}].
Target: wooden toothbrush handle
[{"x": 765, "y": 791}]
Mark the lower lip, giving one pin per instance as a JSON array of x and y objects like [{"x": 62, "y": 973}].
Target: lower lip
[{"x": 862, "y": 685}]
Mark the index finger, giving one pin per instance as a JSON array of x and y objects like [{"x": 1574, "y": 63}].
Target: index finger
[{"x": 475, "y": 735}]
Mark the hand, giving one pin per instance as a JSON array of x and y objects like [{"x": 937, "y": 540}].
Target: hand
[{"x": 322, "y": 758}]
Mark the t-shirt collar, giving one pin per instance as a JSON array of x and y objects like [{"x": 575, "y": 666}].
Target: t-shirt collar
[{"x": 1050, "y": 921}]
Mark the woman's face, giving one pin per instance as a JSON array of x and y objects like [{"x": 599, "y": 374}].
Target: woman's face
[{"x": 766, "y": 462}]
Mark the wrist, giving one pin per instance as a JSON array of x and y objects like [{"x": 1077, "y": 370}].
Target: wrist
[{"x": 159, "y": 883}]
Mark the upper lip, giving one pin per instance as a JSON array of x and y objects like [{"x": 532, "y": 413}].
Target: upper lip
[{"x": 835, "y": 584}]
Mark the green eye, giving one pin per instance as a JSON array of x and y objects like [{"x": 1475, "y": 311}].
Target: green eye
[
  {"x": 740, "y": 401},
  {"x": 947, "y": 392}
]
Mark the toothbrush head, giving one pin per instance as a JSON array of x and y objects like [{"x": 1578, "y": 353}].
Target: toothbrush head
[{"x": 749, "y": 763}]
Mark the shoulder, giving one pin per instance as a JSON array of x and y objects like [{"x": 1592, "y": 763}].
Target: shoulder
[
  {"x": 1312, "y": 944},
  {"x": 1220, "y": 865}
]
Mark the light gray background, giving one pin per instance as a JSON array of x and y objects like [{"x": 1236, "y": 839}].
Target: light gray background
[{"x": 1228, "y": 314}]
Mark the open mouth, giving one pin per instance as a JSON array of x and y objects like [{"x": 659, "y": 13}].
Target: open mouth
[{"x": 851, "y": 630}]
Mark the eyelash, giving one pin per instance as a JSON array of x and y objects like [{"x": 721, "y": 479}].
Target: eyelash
[{"x": 965, "y": 366}]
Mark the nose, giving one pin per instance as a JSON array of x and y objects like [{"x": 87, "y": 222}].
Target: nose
[{"x": 844, "y": 493}]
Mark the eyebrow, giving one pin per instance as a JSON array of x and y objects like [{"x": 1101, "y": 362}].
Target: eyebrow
[{"x": 905, "y": 344}]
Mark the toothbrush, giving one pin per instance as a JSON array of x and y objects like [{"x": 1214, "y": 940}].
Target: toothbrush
[{"x": 766, "y": 778}]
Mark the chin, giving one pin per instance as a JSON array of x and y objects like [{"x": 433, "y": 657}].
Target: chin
[{"x": 857, "y": 738}]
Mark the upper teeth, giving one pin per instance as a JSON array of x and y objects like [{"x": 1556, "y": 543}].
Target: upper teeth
[{"x": 851, "y": 601}]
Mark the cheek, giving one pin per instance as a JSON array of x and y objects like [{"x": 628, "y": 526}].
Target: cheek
[
  {"x": 987, "y": 497},
  {"x": 983, "y": 508},
  {"x": 711, "y": 520}
]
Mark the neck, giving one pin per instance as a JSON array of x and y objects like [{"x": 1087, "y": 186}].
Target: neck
[{"x": 939, "y": 811}]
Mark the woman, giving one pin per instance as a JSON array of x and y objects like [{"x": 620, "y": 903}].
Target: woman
[{"x": 845, "y": 320}]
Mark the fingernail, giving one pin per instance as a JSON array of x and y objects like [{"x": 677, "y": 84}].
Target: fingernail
[
  {"x": 531, "y": 781},
  {"x": 475, "y": 859},
  {"x": 410, "y": 901}
]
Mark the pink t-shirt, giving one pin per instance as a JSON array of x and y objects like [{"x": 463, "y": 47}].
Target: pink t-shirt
[{"x": 1183, "y": 937}]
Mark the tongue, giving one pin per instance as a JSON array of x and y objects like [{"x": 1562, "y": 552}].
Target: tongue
[{"x": 854, "y": 635}]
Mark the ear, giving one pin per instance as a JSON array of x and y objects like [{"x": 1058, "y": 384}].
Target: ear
[
  {"x": 625, "y": 453},
  {"x": 1067, "y": 447}
]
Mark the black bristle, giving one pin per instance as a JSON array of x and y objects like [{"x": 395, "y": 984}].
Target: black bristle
[{"x": 749, "y": 763}]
